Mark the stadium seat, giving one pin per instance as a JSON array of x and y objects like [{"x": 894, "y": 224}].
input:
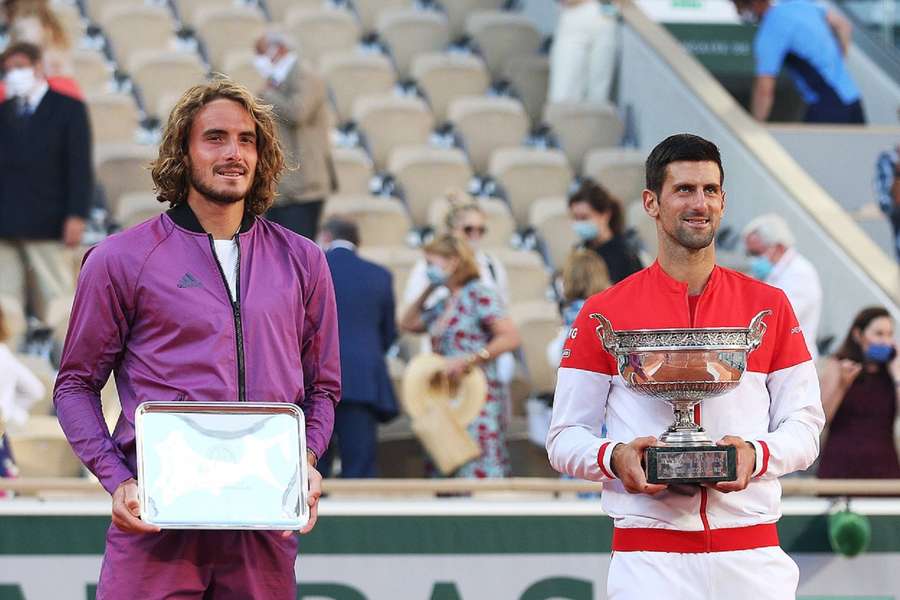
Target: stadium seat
[
  {"x": 486, "y": 124},
  {"x": 278, "y": 9},
  {"x": 550, "y": 219},
  {"x": 136, "y": 207},
  {"x": 238, "y": 65},
  {"x": 389, "y": 121},
  {"x": 646, "y": 229},
  {"x": 529, "y": 76},
  {"x": 351, "y": 74},
  {"x": 619, "y": 170},
  {"x": 539, "y": 323},
  {"x": 158, "y": 73},
  {"x": 368, "y": 11},
  {"x": 13, "y": 311},
  {"x": 224, "y": 29},
  {"x": 189, "y": 10},
  {"x": 396, "y": 258},
  {"x": 114, "y": 118},
  {"x": 42, "y": 450},
  {"x": 425, "y": 173},
  {"x": 381, "y": 221},
  {"x": 498, "y": 220},
  {"x": 91, "y": 71},
  {"x": 321, "y": 31},
  {"x": 528, "y": 279},
  {"x": 500, "y": 35},
  {"x": 43, "y": 370},
  {"x": 95, "y": 8},
  {"x": 527, "y": 174},
  {"x": 70, "y": 18},
  {"x": 409, "y": 32},
  {"x": 123, "y": 168},
  {"x": 444, "y": 77},
  {"x": 354, "y": 170},
  {"x": 581, "y": 126},
  {"x": 458, "y": 10},
  {"x": 131, "y": 29}
]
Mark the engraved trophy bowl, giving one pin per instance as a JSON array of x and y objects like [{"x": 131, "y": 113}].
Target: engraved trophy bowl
[{"x": 683, "y": 367}]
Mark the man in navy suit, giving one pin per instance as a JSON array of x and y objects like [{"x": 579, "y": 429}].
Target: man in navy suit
[{"x": 365, "y": 306}]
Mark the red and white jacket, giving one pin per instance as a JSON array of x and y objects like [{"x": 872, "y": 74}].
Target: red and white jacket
[{"x": 777, "y": 407}]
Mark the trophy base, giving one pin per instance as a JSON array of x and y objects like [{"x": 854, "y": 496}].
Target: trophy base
[{"x": 691, "y": 464}]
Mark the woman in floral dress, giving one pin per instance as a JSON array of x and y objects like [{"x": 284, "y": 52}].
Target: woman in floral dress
[{"x": 471, "y": 328}]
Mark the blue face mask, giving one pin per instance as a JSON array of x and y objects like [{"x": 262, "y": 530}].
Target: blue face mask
[
  {"x": 585, "y": 230},
  {"x": 761, "y": 267},
  {"x": 435, "y": 275},
  {"x": 880, "y": 353}
]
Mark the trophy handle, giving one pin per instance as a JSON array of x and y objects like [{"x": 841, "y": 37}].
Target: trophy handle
[
  {"x": 606, "y": 333},
  {"x": 757, "y": 330}
]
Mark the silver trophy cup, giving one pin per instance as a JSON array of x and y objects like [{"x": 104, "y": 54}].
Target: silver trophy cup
[{"x": 682, "y": 367}]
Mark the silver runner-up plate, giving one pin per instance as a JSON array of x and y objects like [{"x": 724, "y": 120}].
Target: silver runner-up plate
[{"x": 222, "y": 465}]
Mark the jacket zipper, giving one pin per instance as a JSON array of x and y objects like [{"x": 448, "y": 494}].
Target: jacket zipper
[{"x": 235, "y": 313}]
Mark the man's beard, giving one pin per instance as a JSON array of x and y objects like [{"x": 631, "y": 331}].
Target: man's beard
[
  {"x": 217, "y": 196},
  {"x": 694, "y": 240}
]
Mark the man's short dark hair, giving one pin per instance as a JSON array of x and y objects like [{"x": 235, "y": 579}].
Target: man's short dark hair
[
  {"x": 342, "y": 229},
  {"x": 601, "y": 201},
  {"x": 27, "y": 49},
  {"x": 678, "y": 148}
]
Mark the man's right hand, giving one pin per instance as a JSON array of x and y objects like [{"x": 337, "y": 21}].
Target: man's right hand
[
  {"x": 626, "y": 464},
  {"x": 126, "y": 509}
]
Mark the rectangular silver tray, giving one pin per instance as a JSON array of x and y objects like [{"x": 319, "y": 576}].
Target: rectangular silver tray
[{"x": 222, "y": 465}]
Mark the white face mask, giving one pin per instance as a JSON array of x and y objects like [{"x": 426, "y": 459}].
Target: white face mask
[
  {"x": 20, "y": 82},
  {"x": 263, "y": 65}
]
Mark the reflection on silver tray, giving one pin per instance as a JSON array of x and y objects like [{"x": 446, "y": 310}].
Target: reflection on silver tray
[{"x": 222, "y": 465}]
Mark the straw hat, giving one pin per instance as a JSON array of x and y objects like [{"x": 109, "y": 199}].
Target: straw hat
[{"x": 424, "y": 384}]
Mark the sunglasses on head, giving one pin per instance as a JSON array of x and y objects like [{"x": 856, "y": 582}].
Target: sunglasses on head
[{"x": 470, "y": 229}]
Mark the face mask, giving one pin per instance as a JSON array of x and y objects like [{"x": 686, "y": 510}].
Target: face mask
[
  {"x": 263, "y": 65},
  {"x": 761, "y": 267},
  {"x": 19, "y": 82},
  {"x": 436, "y": 275},
  {"x": 880, "y": 353},
  {"x": 585, "y": 230},
  {"x": 748, "y": 17}
]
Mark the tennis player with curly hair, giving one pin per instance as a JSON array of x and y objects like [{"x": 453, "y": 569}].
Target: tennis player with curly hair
[{"x": 207, "y": 301}]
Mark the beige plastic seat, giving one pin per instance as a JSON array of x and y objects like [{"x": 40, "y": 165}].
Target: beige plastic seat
[
  {"x": 528, "y": 279},
  {"x": 158, "y": 73},
  {"x": 91, "y": 71},
  {"x": 223, "y": 29},
  {"x": 114, "y": 118},
  {"x": 619, "y": 170},
  {"x": 529, "y": 75},
  {"x": 550, "y": 219},
  {"x": 527, "y": 174},
  {"x": 368, "y": 11},
  {"x": 354, "y": 170},
  {"x": 189, "y": 10},
  {"x": 136, "y": 207},
  {"x": 458, "y": 10},
  {"x": 381, "y": 221},
  {"x": 279, "y": 9},
  {"x": 238, "y": 65},
  {"x": 409, "y": 32},
  {"x": 13, "y": 311},
  {"x": 424, "y": 173},
  {"x": 444, "y": 77},
  {"x": 70, "y": 18},
  {"x": 486, "y": 124},
  {"x": 390, "y": 121},
  {"x": 538, "y": 323},
  {"x": 96, "y": 8},
  {"x": 131, "y": 29},
  {"x": 123, "y": 168},
  {"x": 351, "y": 74},
  {"x": 581, "y": 126},
  {"x": 42, "y": 450},
  {"x": 646, "y": 230},
  {"x": 43, "y": 370},
  {"x": 322, "y": 31},
  {"x": 396, "y": 258},
  {"x": 500, "y": 35},
  {"x": 498, "y": 220}
]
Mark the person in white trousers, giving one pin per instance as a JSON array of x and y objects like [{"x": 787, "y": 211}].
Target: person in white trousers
[{"x": 582, "y": 59}]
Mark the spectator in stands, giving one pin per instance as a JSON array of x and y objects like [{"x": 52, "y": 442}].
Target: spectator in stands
[
  {"x": 887, "y": 186},
  {"x": 583, "y": 56},
  {"x": 365, "y": 307},
  {"x": 471, "y": 328},
  {"x": 300, "y": 98},
  {"x": 599, "y": 223},
  {"x": 584, "y": 275},
  {"x": 811, "y": 41},
  {"x": 859, "y": 393},
  {"x": 770, "y": 245},
  {"x": 47, "y": 180},
  {"x": 19, "y": 389}
]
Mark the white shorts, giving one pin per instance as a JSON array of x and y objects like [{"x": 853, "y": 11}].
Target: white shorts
[{"x": 762, "y": 573}]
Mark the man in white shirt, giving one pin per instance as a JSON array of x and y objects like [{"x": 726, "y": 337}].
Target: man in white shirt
[{"x": 770, "y": 245}]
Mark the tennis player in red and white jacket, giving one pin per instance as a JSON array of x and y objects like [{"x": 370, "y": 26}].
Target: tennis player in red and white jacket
[{"x": 690, "y": 542}]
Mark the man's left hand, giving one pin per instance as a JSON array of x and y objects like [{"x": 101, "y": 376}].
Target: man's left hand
[
  {"x": 315, "y": 492},
  {"x": 746, "y": 463},
  {"x": 73, "y": 230}
]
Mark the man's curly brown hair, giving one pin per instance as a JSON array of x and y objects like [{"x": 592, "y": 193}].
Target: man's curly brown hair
[{"x": 171, "y": 172}]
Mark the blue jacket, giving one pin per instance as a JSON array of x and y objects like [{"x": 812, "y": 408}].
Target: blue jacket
[{"x": 365, "y": 306}]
